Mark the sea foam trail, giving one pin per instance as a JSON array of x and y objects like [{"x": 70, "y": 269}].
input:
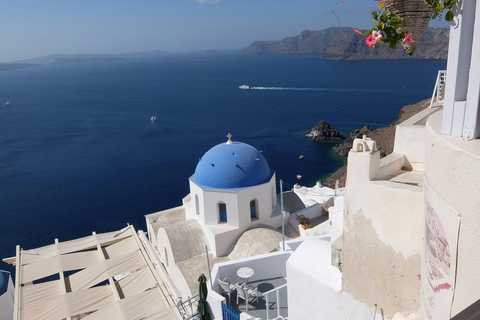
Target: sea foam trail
[
  {"x": 288, "y": 88},
  {"x": 324, "y": 89}
]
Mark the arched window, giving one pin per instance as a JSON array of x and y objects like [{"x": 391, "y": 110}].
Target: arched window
[
  {"x": 254, "y": 209},
  {"x": 197, "y": 205},
  {"x": 222, "y": 212}
]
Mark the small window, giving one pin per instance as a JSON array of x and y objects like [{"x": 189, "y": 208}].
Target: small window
[
  {"x": 222, "y": 212},
  {"x": 274, "y": 196},
  {"x": 197, "y": 205},
  {"x": 253, "y": 210}
]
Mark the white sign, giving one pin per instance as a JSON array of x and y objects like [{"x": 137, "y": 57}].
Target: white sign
[{"x": 439, "y": 256}]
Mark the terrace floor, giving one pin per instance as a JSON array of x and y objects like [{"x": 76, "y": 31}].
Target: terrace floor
[{"x": 258, "y": 308}]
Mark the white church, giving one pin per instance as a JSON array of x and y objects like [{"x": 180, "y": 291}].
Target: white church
[{"x": 232, "y": 190}]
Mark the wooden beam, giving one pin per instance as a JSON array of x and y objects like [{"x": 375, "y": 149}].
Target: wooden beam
[{"x": 62, "y": 280}]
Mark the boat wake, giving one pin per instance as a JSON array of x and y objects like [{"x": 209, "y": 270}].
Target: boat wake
[
  {"x": 289, "y": 88},
  {"x": 319, "y": 89},
  {"x": 3, "y": 105}
]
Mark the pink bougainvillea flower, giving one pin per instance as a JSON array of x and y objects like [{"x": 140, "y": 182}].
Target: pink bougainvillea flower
[
  {"x": 378, "y": 36},
  {"x": 371, "y": 40},
  {"x": 408, "y": 39}
]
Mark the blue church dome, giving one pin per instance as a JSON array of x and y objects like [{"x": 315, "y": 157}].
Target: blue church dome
[{"x": 232, "y": 165}]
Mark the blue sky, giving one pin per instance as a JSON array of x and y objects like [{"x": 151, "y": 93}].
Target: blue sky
[{"x": 31, "y": 28}]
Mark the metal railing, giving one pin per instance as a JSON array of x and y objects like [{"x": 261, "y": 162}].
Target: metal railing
[
  {"x": 229, "y": 313},
  {"x": 439, "y": 90},
  {"x": 267, "y": 307},
  {"x": 189, "y": 308}
]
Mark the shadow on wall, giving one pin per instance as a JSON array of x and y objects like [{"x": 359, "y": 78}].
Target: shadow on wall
[{"x": 472, "y": 312}]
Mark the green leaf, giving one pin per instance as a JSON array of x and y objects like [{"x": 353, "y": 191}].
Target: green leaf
[
  {"x": 449, "y": 3},
  {"x": 384, "y": 18},
  {"x": 449, "y": 16},
  {"x": 392, "y": 45}
]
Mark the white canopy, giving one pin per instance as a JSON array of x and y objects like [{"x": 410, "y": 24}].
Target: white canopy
[{"x": 75, "y": 280}]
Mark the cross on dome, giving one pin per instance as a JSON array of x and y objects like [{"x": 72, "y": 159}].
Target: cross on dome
[{"x": 229, "y": 136}]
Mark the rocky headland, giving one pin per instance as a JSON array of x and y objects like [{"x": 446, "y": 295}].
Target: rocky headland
[
  {"x": 322, "y": 131},
  {"x": 342, "y": 43},
  {"x": 385, "y": 138}
]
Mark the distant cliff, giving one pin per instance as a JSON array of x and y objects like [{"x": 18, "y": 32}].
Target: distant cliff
[
  {"x": 62, "y": 58},
  {"x": 82, "y": 60},
  {"x": 342, "y": 43},
  {"x": 12, "y": 66}
]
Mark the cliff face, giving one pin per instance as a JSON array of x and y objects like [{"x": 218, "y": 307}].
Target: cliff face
[
  {"x": 306, "y": 42},
  {"x": 342, "y": 43}
]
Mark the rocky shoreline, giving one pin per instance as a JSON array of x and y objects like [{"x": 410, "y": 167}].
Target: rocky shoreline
[
  {"x": 385, "y": 138},
  {"x": 322, "y": 131}
]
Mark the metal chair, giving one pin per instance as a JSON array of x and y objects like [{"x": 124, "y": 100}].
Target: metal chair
[
  {"x": 246, "y": 292},
  {"x": 226, "y": 288}
]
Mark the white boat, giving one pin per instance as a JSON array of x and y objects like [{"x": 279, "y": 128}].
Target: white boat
[
  {"x": 244, "y": 86},
  {"x": 153, "y": 118}
]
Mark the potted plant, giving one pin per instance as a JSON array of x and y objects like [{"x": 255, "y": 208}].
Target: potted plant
[
  {"x": 404, "y": 21},
  {"x": 304, "y": 221}
]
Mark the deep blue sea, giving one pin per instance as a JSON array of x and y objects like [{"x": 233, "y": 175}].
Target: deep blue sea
[{"x": 79, "y": 153}]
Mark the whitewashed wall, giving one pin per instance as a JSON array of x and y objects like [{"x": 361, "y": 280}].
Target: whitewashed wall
[{"x": 453, "y": 172}]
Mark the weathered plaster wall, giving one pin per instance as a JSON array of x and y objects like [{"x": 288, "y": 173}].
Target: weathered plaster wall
[
  {"x": 383, "y": 228},
  {"x": 452, "y": 167}
]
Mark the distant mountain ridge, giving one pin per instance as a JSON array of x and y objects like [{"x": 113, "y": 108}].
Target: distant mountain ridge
[
  {"x": 342, "y": 43},
  {"x": 13, "y": 66},
  {"x": 60, "y": 58}
]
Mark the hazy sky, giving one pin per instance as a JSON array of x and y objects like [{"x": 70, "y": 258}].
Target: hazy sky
[{"x": 31, "y": 28}]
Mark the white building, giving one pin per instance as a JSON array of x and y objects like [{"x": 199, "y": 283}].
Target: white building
[
  {"x": 6, "y": 295},
  {"x": 232, "y": 189},
  {"x": 412, "y": 219}
]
